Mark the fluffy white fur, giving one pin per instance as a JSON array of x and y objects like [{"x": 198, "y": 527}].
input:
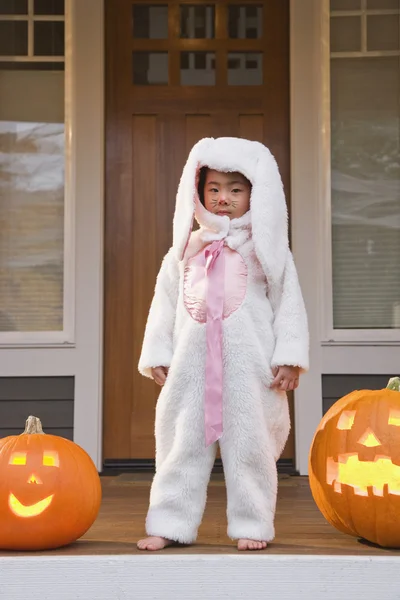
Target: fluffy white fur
[
  {"x": 157, "y": 347},
  {"x": 270, "y": 328}
]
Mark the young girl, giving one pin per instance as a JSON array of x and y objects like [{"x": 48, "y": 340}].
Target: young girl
[{"x": 226, "y": 337}]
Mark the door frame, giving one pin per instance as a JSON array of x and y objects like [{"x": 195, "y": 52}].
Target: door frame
[{"x": 306, "y": 64}]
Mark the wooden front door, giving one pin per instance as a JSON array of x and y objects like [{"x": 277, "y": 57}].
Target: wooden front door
[{"x": 177, "y": 71}]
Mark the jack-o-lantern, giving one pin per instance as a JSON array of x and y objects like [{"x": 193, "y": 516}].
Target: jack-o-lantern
[
  {"x": 50, "y": 490},
  {"x": 354, "y": 465}
]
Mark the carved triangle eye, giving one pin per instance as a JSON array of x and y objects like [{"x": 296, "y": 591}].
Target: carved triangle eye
[{"x": 369, "y": 439}]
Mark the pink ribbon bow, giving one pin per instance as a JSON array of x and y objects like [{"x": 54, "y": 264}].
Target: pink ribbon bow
[{"x": 215, "y": 273}]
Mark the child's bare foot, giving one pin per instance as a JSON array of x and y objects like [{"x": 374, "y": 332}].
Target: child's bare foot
[
  {"x": 251, "y": 545},
  {"x": 154, "y": 543}
]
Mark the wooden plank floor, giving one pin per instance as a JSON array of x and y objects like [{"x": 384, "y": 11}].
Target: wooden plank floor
[{"x": 300, "y": 528}]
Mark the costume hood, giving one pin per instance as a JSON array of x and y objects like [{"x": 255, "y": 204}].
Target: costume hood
[{"x": 268, "y": 211}]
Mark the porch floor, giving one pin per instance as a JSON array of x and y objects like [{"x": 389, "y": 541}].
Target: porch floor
[{"x": 300, "y": 528}]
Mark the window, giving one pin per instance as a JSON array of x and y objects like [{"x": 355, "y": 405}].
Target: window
[
  {"x": 211, "y": 45},
  {"x": 365, "y": 166},
  {"x": 36, "y": 253}
]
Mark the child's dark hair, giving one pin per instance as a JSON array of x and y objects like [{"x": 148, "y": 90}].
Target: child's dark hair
[{"x": 202, "y": 183}]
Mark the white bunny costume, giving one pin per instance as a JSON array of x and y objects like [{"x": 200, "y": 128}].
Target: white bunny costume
[{"x": 220, "y": 359}]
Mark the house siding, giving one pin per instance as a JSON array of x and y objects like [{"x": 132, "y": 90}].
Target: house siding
[
  {"x": 51, "y": 399},
  {"x": 337, "y": 386}
]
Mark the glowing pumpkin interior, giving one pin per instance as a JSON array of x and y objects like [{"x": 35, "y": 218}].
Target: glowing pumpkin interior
[
  {"x": 379, "y": 474},
  {"x": 50, "y": 459}
]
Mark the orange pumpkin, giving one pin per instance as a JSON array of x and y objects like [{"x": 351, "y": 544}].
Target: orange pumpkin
[
  {"x": 354, "y": 465},
  {"x": 50, "y": 490}
]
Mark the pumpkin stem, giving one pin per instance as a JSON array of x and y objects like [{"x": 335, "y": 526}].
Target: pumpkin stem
[
  {"x": 394, "y": 384},
  {"x": 33, "y": 425}
]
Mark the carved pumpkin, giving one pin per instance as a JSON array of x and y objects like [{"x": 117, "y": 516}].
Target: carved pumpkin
[
  {"x": 354, "y": 465},
  {"x": 50, "y": 490}
]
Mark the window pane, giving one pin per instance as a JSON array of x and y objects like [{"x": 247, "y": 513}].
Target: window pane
[
  {"x": 245, "y": 68},
  {"x": 49, "y": 7},
  {"x": 197, "y": 68},
  {"x": 150, "y": 22},
  {"x": 31, "y": 200},
  {"x": 245, "y": 22},
  {"x": 13, "y": 38},
  {"x": 366, "y": 192},
  {"x": 31, "y": 66},
  {"x": 150, "y": 68},
  {"x": 49, "y": 38},
  {"x": 197, "y": 21},
  {"x": 382, "y": 4},
  {"x": 346, "y": 4},
  {"x": 13, "y": 7},
  {"x": 383, "y": 32},
  {"x": 345, "y": 34}
]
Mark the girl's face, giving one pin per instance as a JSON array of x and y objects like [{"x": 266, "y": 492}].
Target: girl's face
[{"x": 227, "y": 194}]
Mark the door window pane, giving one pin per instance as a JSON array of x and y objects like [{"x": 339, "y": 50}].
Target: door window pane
[
  {"x": 197, "y": 68},
  {"x": 150, "y": 68},
  {"x": 150, "y": 22},
  {"x": 197, "y": 22},
  {"x": 245, "y": 22},
  {"x": 245, "y": 68}
]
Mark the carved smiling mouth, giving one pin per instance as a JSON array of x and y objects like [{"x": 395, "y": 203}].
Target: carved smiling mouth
[
  {"x": 379, "y": 475},
  {"x": 32, "y": 510}
]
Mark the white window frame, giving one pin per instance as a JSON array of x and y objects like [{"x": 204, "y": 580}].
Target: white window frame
[
  {"x": 66, "y": 336},
  {"x": 331, "y": 335}
]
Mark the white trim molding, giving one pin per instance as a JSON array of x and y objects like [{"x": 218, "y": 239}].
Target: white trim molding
[
  {"x": 88, "y": 85},
  {"x": 306, "y": 192},
  {"x": 70, "y": 182}
]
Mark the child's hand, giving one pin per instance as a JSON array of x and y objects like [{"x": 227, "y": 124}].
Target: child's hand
[
  {"x": 159, "y": 375},
  {"x": 286, "y": 378}
]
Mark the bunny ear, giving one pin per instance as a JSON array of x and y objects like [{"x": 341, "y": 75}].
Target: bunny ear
[
  {"x": 268, "y": 206},
  {"x": 269, "y": 216},
  {"x": 186, "y": 198}
]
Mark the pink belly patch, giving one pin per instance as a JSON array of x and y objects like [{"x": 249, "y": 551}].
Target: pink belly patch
[{"x": 195, "y": 284}]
